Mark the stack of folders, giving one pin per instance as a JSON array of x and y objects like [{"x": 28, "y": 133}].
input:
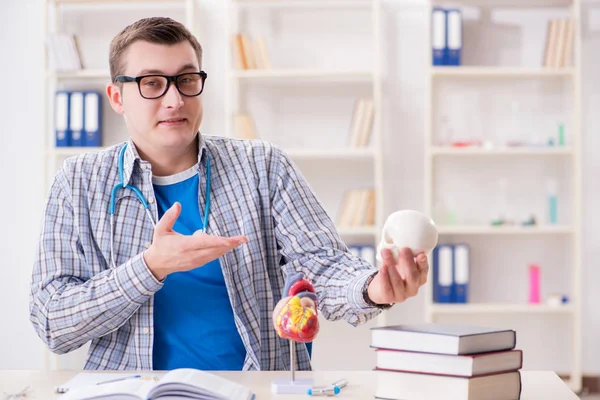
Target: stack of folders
[
  {"x": 445, "y": 361},
  {"x": 366, "y": 252},
  {"x": 451, "y": 270},
  {"x": 446, "y": 36},
  {"x": 77, "y": 119}
]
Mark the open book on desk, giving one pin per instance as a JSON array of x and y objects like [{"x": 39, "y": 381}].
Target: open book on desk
[{"x": 177, "y": 384}]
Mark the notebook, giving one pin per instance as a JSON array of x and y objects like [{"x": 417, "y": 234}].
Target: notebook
[
  {"x": 452, "y": 339},
  {"x": 181, "y": 383}
]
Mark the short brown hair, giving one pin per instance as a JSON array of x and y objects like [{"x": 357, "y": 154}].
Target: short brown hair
[{"x": 159, "y": 30}]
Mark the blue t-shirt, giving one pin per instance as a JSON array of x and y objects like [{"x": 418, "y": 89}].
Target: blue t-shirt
[{"x": 193, "y": 318}]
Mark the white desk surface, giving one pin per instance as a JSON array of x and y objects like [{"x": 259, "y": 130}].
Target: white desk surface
[{"x": 537, "y": 385}]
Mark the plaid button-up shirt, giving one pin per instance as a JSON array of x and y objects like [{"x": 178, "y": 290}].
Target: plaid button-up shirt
[{"x": 77, "y": 296}]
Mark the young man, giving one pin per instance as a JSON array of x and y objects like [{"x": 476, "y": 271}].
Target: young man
[{"x": 170, "y": 295}]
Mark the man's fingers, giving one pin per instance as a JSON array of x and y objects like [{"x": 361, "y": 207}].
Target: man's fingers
[
  {"x": 423, "y": 266},
  {"x": 408, "y": 269},
  {"x": 202, "y": 241},
  {"x": 396, "y": 281},
  {"x": 165, "y": 224}
]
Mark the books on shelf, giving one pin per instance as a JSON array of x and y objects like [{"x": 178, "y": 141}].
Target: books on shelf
[
  {"x": 358, "y": 208},
  {"x": 453, "y": 339},
  {"x": 248, "y": 54},
  {"x": 189, "y": 383},
  {"x": 558, "y": 52},
  {"x": 63, "y": 52},
  {"x": 244, "y": 127},
  {"x": 362, "y": 123},
  {"x": 449, "y": 361}
]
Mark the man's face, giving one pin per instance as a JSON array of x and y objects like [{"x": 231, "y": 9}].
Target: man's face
[{"x": 171, "y": 121}]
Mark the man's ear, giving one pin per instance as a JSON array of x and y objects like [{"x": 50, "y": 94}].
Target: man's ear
[{"x": 115, "y": 96}]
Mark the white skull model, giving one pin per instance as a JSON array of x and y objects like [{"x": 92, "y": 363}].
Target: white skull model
[{"x": 408, "y": 228}]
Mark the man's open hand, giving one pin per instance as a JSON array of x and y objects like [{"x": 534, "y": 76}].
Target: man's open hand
[{"x": 173, "y": 252}]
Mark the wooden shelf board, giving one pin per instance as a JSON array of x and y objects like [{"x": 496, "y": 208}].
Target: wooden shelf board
[
  {"x": 481, "y": 308},
  {"x": 503, "y": 230}
]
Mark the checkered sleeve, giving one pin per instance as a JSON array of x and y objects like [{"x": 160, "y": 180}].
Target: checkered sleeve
[
  {"x": 70, "y": 303},
  {"x": 309, "y": 243}
]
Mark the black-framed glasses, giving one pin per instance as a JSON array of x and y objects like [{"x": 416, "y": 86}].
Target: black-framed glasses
[{"x": 151, "y": 87}]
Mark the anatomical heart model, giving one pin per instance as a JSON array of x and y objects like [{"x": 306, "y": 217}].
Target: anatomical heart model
[{"x": 295, "y": 318}]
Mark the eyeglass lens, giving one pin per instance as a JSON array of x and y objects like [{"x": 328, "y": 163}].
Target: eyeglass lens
[{"x": 152, "y": 87}]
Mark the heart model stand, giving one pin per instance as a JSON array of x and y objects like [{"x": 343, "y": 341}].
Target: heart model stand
[{"x": 295, "y": 318}]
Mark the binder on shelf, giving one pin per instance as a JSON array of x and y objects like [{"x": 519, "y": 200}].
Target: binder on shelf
[
  {"x": 366, "y": 252},
  {"x": 443, "y": 268},
  {"x": 62, "y": 119},
  {"x": 355, "y": 250},
  {"x": 92, "y": 120},
  {"x": 454, "y": 36},
  {"x": 76, "y": 116},
  {"x": 438, "y": 36},
  {"x": 461, "y": 273}
]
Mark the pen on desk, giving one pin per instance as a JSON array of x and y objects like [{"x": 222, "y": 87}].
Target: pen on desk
[
  {"x": 328, "y": 391},
  {"x": 119, "y": 379},
  {"x": 342, "y": 383}
]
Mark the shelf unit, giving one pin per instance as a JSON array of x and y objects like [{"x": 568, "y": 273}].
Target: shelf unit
[
  {"x": 340, "y": 76},
  {"x": 434, "y": 153},
  {"x": 235, "y": 101},
  {"x": 499, "y": 308},
  {"x": 53, "y": 21}
]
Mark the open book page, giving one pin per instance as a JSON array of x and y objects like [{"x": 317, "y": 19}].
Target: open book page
[
  {"x": 93, "y": 378},
  {"x": 201, "y": 383},
  {"x": 134, "y": 389}
]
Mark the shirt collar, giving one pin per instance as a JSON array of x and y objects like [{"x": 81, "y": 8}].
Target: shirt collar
[{"x": 132, "y": 157}]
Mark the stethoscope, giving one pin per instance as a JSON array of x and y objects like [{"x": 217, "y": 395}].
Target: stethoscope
[{"x": 143, "y": 201}]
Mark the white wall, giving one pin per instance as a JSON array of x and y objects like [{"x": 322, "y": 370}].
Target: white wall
[{"x": 21, "y": 46}]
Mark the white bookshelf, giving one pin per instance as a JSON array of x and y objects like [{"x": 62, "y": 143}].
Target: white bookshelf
[
  {"x": 437, "y": 151},
  {"x": 303, "y": 73},
  {"x": 299, "y": 4},
  {"x": 500, "y": 308},
  {"x": 569, "y": 314},
  {"x": 500, "y": 72},
  {"x": 505, "y": 230},
  {"x": 238, "y": 80}
]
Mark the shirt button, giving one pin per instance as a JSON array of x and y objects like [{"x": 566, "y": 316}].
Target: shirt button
[
  {"x": 151, "y": 200},
  {"x": 147, "y": 245},
  {"x": 146, "y": 331}
]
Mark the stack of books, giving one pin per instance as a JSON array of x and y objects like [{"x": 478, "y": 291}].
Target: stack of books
[{"x": 446, "y": 361}]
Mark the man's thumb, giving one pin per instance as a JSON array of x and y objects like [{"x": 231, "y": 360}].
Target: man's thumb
[{"x": 168, "y": 219}]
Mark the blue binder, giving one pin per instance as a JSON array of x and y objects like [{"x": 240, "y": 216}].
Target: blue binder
[
  {"x": 438, "y": 36},
  {"x": 92, "y": 119},
  {"x": 62, "y": 130},
  {"x": 76, "y": 118},
  {"x": 443, "y": 271},
  {"x": 453, "y": 37},
  {"x": 461, "y": 273}
]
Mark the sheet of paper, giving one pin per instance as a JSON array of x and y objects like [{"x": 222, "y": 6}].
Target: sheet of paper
[{"x": 93, "y": 378}]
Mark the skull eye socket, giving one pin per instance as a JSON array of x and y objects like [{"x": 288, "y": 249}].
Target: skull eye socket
[{"x": 388, "y": 239}]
